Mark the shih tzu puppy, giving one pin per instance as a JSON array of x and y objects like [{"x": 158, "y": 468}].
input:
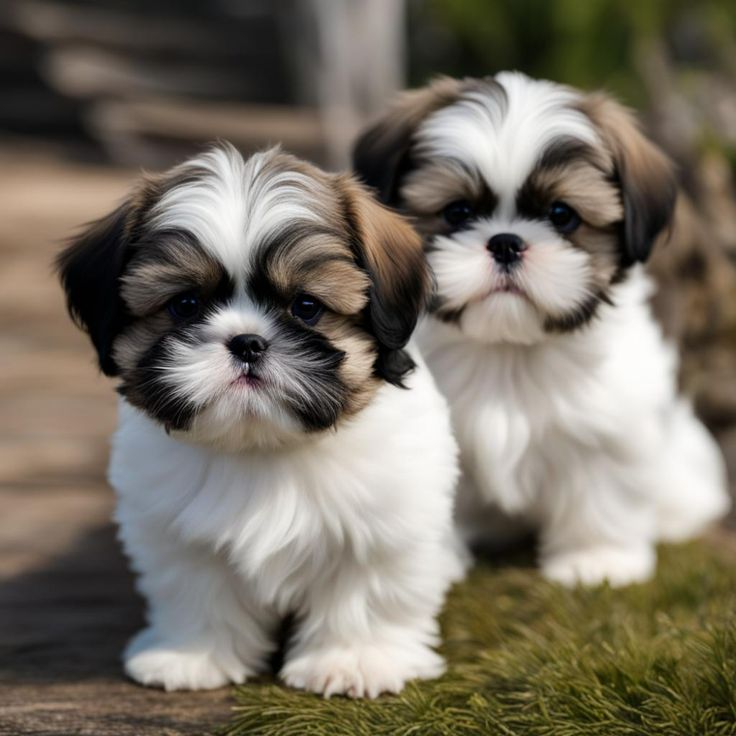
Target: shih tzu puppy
[
  {"x": 280, "y": 451},
  {"x": 537, "y": 204}
]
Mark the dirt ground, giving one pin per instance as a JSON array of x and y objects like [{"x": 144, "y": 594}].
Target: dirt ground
[{"x": 67, "y": 603}]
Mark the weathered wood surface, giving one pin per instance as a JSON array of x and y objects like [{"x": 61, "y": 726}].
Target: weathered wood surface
[{"x": 67, "y": 603}]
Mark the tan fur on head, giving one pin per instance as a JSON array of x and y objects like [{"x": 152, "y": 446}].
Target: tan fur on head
[
  {"x": 243, "y": 245},
  {"x": 512, "y": 153},
  {"x": 392, "y": 254},
  {"x": 645, "y": 173},
  {"x": 392, "y": 248}
]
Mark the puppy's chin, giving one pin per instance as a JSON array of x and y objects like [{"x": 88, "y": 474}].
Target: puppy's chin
[
  {"x": 502, "y": 318},
  {"x": 229, "y": 425}
]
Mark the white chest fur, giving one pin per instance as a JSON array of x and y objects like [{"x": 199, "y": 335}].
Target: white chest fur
[
  {"x": 351, "y": 530},
  {"x": 580, "y": 430},
  {"x": 284, "y": 517}
]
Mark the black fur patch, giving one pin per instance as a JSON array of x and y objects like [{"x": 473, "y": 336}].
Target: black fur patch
[
  {"x": 647, "y": 212},
  {"x": 579, "y": 317},
  {"x": 90, "y": 270},
  {"x": 446, "y": 314},
  {"x": 316, "y": 363},
  {"x": 394, "y": 365},
  {"x": 390, "y": 320},
  {"x": 382, "y": 158},
  {"x": 146, "y": 387}
]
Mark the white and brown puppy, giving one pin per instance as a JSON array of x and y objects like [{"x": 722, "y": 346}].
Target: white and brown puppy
[
  {"x": 279, "y": 450},
  {"x": 537, "y": 202}
]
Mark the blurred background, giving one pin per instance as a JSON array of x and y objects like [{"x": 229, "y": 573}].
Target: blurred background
[{"x": 91, "y": 91}]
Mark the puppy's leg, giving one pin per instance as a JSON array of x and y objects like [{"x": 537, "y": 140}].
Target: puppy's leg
[
  {"x": 202, "y": 634},
  {"x": 482, "y": 523},
  {"x": 596, "y": 524},
  {"x": 369, "y": 628},
  {"x": 691, "y": 483}
]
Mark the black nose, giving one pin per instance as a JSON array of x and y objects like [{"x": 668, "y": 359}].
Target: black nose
[
  {"x": 249, "y": 348},
  {"x": 506, "y": 248}
]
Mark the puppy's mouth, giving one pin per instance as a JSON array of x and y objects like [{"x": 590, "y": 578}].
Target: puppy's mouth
[
  {"x": 502, "y": 286},
  {"x": 508, "y": 287},
  {"x": 504, "y": 283},
  {"x": 248, "y": 377}
]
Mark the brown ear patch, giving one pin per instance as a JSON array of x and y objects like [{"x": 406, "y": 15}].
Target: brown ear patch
[
  {"x": 379, "y": 153},
  {"x": 645, "y": 174},
  {"x": 390, "y": 251}
]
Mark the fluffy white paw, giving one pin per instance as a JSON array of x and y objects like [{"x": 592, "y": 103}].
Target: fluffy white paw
[
  {"x": 360, "y": 672},
  {"x": 154, "y": 663},
  {"x": 595, "y": 565}
]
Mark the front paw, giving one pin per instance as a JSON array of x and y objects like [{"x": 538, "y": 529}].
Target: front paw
[
  {"x": 360, "y": 672},
  {"x": 154, "y": 663},
  {"x": 595, "y": 565}
]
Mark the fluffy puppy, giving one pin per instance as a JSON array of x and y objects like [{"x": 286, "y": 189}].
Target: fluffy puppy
[
  {"x": 537, "y": 202},
  {"x": 269, "y": 460}
]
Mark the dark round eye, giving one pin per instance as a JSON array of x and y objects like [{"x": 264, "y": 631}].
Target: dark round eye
[
  {"x": 456, "y": 213},
  {"x": 185, "y": 306},
  {"x": 307, "y": 309},
  {"x": 563, "y": 217}
]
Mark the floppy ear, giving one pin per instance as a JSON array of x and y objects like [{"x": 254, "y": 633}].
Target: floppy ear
[
  {"x": 389, "y": 249},
  {"x": 89, "y": 269},
  {"x": 92, "y": 264},
  {"x": 645, "y": 174},
  {"x": 380, "y": 154}
]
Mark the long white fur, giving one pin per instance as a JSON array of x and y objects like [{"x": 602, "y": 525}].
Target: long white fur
[
  {"x": 233, "y": 208},
  {"x": 581, "y": 435},
  {"x": 246, "y": 518},
  {"x": 350, "y": 531}
]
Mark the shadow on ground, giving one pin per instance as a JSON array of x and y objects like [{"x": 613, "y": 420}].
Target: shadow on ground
[{"x": 64, "y": 626}]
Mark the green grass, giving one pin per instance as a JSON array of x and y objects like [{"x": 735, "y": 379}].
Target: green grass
[{"x": 527, "y": 657}]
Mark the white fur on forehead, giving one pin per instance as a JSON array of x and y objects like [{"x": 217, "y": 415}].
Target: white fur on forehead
[
  {"x": 233, "y": 205},
  {"x": 503, "y": 137}
]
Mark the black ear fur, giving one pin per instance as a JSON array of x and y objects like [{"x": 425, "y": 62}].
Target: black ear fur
[
  {"x": 380, "y": 157},
  {"x": 393, "y": 311},
  {"x": 89, "y": 270},
  {"x": 390, "y": 251},
  {"x": 648, "y": 210},
  {"x": 381, "y": 153}
]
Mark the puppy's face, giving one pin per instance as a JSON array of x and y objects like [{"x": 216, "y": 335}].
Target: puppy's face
[
  {"x": 248, "y": 302},
  {"x": 532, "y": 198}
]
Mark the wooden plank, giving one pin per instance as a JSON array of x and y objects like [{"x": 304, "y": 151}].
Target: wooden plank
[{"x": 67, "y": 603}]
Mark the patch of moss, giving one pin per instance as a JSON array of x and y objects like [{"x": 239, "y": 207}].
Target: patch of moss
[{"x": 529, "y": 658}]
